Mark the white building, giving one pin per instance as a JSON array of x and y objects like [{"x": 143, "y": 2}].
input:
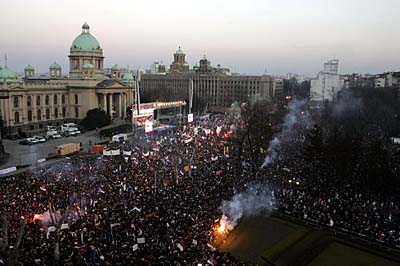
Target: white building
[{"x": 327, "y": 84}]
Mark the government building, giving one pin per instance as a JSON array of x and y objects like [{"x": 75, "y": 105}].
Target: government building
[
  {"x": 214, "y": 88},
  {"x": 31, "y": 103}
]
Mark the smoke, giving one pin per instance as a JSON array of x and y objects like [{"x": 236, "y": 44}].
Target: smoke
[
  {"x": 296, "y": 117},
  {"x": 256, "y": 200}
]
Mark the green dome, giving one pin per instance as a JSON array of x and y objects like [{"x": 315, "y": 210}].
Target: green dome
[
  {"x": 128, "y": 76},
  {"x": 29, "y": 67},
  {"x": 179, "y": 51},
  {"x": 55, "y": 66},
  {"x": 7, "y": 75},
  {"x": 114, "y": 67},
  {"x": 85, "y": 41},
  {"x": 88, "y": 66}
]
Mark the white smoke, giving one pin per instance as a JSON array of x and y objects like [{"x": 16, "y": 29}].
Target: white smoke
[
  {"x": 256, "y": 200},
  {"x": 297, "y": 116}
]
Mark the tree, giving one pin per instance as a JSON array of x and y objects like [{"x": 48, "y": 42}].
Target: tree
[
  {"x": 8, "y": 254},
  {"x": 95, "y": 118}
]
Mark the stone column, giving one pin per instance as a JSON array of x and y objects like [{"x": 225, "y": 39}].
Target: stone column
[
  {"x": 111, "y": 105},
  {"x": 124, "y": 105},
  {"x": 119, "y": 105},
  {"x": 105, "y": 103},
  {"x": 24, "y": 118}
]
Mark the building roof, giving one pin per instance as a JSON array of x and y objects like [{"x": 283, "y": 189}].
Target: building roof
[
  {"x": 108, "y": 83},
  {"x": 29, "y": 67},
  {"x": 127, "y": 76},
  {"x": 85, "y": 41},
  {"x": 114, "y": 67},
  {"x": 88, "y": 66},
  {"x": 7, "y": 75},
  {"x": 55, "y": 66},
  {"x": 179, "y": 51}
]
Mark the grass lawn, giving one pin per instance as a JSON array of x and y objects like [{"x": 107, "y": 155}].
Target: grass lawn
[
  {"x": 343, "y": 255},
  {"x": 262, "y": 236}
]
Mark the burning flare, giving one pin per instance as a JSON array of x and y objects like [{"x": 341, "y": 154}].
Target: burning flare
[{"x": 222, "y": 227}]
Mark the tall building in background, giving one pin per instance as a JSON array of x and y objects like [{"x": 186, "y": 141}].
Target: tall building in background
[
  {"x": 31, "y": 103},
  {"x": 327, "y": 84}
]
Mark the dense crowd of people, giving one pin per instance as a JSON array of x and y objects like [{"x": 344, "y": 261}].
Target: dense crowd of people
[{"x": 158, "y": 202}]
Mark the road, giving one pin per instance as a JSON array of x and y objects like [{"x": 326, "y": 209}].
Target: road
[{"x": 30, "y": 154}]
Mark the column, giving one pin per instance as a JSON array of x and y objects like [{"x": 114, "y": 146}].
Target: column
[
  {"x": 124, "y": 105},
  {"x": 111, "y": 106},
  {"x": 24, "y": 118},
  {"x": 119, "y": 105},
  {"x": 104, "y": 106}
]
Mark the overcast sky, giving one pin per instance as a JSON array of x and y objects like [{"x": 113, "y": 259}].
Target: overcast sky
[{"x": 248, "y": 36}]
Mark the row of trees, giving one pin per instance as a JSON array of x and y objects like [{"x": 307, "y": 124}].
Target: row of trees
[{"x": 354, "y": 135}]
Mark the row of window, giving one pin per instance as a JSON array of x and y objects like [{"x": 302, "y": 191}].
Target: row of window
[
  {"x": 39, "y": 114},
  {"x": 47, "y": 100}
]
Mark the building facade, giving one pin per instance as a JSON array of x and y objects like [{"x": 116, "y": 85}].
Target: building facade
[
  {"x": 212, "y": 90},
  {"x": 327, "y": 84},
  {"x": 30, "y": 104}
]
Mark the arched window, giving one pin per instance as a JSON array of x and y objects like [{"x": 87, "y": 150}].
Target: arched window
[
  {"x": 16, "y": 102},
  {"x": 55, "y": 100},
  {"x": 63, "y": 99},
  {"x": 38, "y": 100},
  {"x": 47, "y": 114},
  {"x": 76, "y": 112},
  {"x": 29, "y": 101},
  {"x": 16, "y": 117},
  {"x": 29, "y": 115},
  {"x": 76, "y": 98},
  {"x": 47, "y": 100},
  {"x": 55, "y": 112},
  {"x": 39, "y": 114},
  {"x": 64, "y": 112}
]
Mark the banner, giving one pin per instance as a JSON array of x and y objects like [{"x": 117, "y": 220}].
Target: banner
[
  {"x": 190, "y": 118},
  {"x": 128, "y": 153},
  {"x": 7, "y": 170},
  {"x": 148, "y": 127},
  {"x": 111, "y": 152}
]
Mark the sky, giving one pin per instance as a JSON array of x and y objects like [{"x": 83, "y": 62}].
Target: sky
[{"x": 248, "y": 36}]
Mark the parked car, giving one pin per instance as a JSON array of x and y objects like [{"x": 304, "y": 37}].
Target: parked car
[
  {"x": 29, "y": 141},
  {"x": 53, "y": 135},
  {"x": 40, "y": 139}
]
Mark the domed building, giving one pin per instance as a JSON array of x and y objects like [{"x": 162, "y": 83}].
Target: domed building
[
  {"x": 179, "y": 66},
  {"x": 32, "y": 103}
]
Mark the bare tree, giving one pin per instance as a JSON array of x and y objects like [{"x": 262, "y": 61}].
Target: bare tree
[{"x": 10, "y": 253}]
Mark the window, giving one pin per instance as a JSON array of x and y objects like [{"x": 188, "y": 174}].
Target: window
[
  {"x": 76, "y": 112},
  {"x": 47, "y": 113},
  {"x": 16, "y": 117},
  {"x": 63, "y": 99},
  {"x": 63, "y": 112},
  {"x": 29, "y": 115},
  {"x": 55, "y": 100},
  {"x": 15, "y": 102},
  {"x": 55, "y": 112},
  {"x": 76, "y": 98},
  {"x": 31, "y": 127},
  {"x": 39, "y": 114},
  {"x": 47, "y": 100},
  {"x": 41, "y": 126},
  {"x": 38, "y": 100},
  {"x": 29, "y": 101}
]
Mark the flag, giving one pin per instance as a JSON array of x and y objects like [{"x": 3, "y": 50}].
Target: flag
[
  {"x": 212, "y": 261},
  {"x": 181, "y": 245}
]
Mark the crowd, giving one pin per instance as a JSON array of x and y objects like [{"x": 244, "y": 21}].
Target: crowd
[
  {"x": 155, "y": 204},
  {"x": 158, "y": 202}
]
